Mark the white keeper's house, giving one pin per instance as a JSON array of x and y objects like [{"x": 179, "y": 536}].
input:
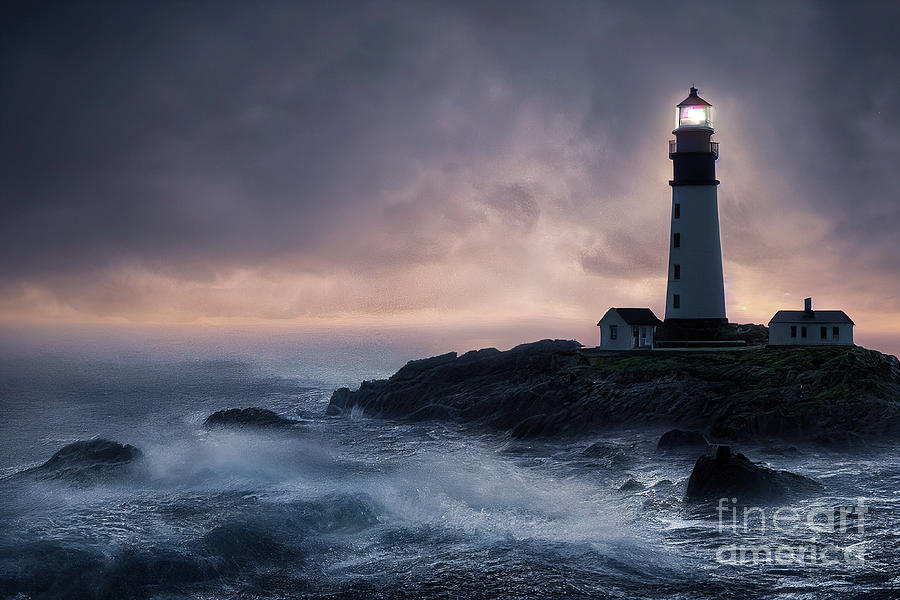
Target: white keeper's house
[
  {"x": 810, "y": 327},
  {"x": 627, "y": 328}
]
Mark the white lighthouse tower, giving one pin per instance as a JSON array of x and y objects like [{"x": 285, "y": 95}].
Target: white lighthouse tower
[{"x": 695, "y": 296}]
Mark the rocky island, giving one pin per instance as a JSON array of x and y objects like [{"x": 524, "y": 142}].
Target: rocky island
[{"x": 825, "y": 395}]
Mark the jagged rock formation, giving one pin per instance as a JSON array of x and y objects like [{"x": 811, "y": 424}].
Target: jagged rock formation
[
  {"x": 735, "y": 477},
  {"x": 836, "y": 395}
]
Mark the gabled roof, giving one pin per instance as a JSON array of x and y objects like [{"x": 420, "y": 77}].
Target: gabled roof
[
  {"x": 693, "y": 100},
  {"x": 813, "y": 316},
  {"x": 637, "y": 316}
]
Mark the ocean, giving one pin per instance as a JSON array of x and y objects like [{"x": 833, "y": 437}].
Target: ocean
[{"x": 355, "y": 507}]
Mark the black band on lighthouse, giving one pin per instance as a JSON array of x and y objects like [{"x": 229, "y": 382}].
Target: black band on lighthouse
[
  {"x": 674, "y": 183},
  {"x": 694, "y": 166},
  {"x": 694, "y": 158}
]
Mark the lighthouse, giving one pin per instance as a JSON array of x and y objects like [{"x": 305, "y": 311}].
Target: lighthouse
[{"x": 695, "y": 295}]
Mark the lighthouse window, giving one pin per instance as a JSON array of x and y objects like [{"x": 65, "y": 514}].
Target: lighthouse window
[
  {"x": 676, "y": 301},
  {"x": 835, "y": 333},
  {"x": 694, "y": 116},
  {"x": 803, "y": 332},
  {"x": 677, "y": 272},
  {"x": 613, "y": 332},
  {"x": 676, "y": 240},
  {"x": 793, "y": 331},
  {"x": 677, "y": 211}
]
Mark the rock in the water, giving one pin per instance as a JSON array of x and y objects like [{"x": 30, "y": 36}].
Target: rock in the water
[
  {"x": 632, "y": 485},
  {"x": 341, "y": 400},
  {"x": 247, "y": 417},
  {"x": 87, "y": 461},
  {"x": 499, "y": 389},
  {"x": 555, "y": 387},
  {"x": 600, "y": 450},
  {"x": 608, "y": 455},
  {"x": 729, "y": 475},
  {"x": 92, "y": 452},
  {"x": 678, "y": 439}
]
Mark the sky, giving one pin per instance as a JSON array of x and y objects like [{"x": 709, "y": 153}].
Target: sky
[{"x": 484, "y": 173}]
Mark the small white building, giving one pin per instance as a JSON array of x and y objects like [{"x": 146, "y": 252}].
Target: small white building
[
  {"x": 810, "y": 327},
  {"x": 627, "y": 328}
]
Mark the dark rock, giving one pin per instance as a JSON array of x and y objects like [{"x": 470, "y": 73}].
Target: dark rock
[
  {"x": 92, "y": 452},
  {"x": 828, "y": 395},
  {"x": 248, "y": 417},
  {"x": 729, "y": 475},
  {"x": 600, "y": 450},
  {"x": 88, "y": 461},
  {"x": 632, "y": 485},
  {"x": 414, "y": 368},
  {"x": 678, "y": 439},
  {"x": 723, "y": 455},
  {"x": 340, "y": 401},
  {"x": 479, "y": 354},
  {"x": 608, "y": 455}
]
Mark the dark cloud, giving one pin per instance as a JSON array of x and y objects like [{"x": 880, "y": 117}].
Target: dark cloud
[
  {"x": 191, "y": 141},
  {"x": 625, "y": 255},
  {"x": 516, "y": 204}
]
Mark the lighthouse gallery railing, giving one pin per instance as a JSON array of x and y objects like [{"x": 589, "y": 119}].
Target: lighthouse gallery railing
[{"x": 713, "y": 147}]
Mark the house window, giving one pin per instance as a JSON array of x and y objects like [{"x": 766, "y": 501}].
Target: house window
[
  {"x": 677, "y": 211},
  {"x": 803, "y": 332},
  {"x": 613, "y": 332},
  {"x": 677, "y": 272},
  {"x": 823, "y": 333},
  {"x": 676, "y": 240},
  {"x": 835, "y": 333},
  {"x": 676, "y": 301},
  {"x": 793, "y": 331}
]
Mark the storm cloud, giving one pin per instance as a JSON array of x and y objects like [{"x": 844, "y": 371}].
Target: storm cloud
[{"x": 194, "y": 162}]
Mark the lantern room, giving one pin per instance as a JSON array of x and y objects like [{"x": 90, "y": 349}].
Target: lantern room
[{"x": 693, "y": 112}]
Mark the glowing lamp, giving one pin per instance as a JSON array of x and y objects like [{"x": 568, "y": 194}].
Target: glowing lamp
[
  {"x": 693, "y": 115},
  {"x": 694, "y": 112}
]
